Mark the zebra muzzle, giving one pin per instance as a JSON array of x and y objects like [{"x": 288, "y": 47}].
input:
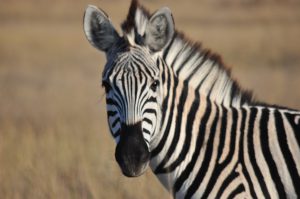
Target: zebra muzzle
[{"x": 132, "y": 152}]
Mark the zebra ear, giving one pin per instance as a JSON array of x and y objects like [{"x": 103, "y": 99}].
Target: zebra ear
[
  {"x": 160, "y": 29},
  {"x": 98, "y": 29}
]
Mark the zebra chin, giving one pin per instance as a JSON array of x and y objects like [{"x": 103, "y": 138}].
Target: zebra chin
[
  {"x": 132, "y": 153},
  {"x": 133, "y": 170}
]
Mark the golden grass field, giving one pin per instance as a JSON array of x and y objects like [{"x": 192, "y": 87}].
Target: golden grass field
[{"x": 54, "y": 140}]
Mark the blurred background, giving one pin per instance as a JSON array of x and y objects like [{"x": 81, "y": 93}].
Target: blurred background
[{"x": 54, "y": 140}]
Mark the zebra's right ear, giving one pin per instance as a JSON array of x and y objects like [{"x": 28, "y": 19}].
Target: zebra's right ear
[
  {"x": 160, "y": 29},
  {"x": 98, "y": 29}
]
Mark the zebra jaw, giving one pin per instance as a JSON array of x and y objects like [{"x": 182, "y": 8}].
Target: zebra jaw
[{"x": 132, "y": 152}]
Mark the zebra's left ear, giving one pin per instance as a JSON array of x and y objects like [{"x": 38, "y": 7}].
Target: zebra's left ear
[
  {"x": 98, "y": 29},
  {"x": 160, "y": 29}
]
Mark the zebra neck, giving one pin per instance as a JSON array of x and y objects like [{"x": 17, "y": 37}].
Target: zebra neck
[
  {"x": 204, "y": 71},
  {"x": 180, "y": 137}
]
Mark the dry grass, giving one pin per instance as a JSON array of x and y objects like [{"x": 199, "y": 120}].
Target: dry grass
[{"x": 54, "y": 141}]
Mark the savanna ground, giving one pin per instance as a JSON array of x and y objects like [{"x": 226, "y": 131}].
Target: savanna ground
[{"x": 54, "y": 141}]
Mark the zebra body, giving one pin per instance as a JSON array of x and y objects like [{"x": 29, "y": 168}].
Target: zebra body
[
  {"x": 217, "y": 150},
  {"x": 228, "y": 150},
  {"x": 173, "y": 105}
]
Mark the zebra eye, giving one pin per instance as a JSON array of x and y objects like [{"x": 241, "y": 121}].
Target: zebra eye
[
  {"x": 106, "y": 86},
  {"x": 154, "y": 85}
]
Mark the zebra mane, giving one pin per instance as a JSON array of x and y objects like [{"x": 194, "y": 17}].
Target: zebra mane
[{"x": 195, "y": 65}]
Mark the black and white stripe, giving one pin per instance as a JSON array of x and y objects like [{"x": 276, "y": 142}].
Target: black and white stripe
[{"x": 249, "y": 151}]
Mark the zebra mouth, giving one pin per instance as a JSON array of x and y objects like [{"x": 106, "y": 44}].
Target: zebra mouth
[
  {"x": 132, "y": 152},
  {"x": 133, "y": 170},
  {"x": 132, "y": 164}
]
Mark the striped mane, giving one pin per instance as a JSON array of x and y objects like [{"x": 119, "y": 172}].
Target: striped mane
[{"x": 197, "y": 66}]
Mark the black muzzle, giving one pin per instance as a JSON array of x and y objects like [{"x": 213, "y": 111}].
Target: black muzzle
[{"x": 132, "y": 152}]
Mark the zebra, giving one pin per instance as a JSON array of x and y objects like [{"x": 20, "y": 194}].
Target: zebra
[{"x": 172, "y": 105}]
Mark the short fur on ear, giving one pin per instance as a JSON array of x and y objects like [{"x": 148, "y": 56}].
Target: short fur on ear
[
  {"x": 160, "y": 29},
  {"x": 98, "y": 29}
]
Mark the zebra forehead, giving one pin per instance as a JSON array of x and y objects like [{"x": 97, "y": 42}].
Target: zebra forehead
[{"x": 135, "y": 60}]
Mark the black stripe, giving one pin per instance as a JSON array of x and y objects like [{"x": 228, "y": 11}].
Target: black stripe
[
  {"x": 236, "y": 191},
  {"x": 145, "y": 68},
  {"x": 197, "y": 68},
  {"x": 191, "y": 54},
  {"x": 146, "y": 131},
  {"x": 115, "y": 122},
  {"x": 223, "y": 131},
  {"x": 175, "y": 59},
  {"x": 151, "y": 99},
  {"x": 147, "y": 120},
  {"x": 180, "y": 108},
  {"x": 162, "y": 67},
  {"x": 139, "y": 62},
  {"x": 111, "y": 69},
  {"x": 264, "y": 139},
  {"x": 251, "y": 150},
  {"x": 136, "y": 97},
  {"x": 296, "y": 127},
  {"x": 168, "y": 76},
  {"x": 151, "y": 111},
  {"x": 161, "y": 144},
  {"x": 140, "y": 75},
  {"x": 139, "y": 54},
  {"x": 118, "y": 95},
  {"x": 189, "y": 128},
  {"x": 158, "y": 62},
  {"x": 182, "y": 64},
  {"x": 215, "y": 81},
  {"x": 220, "y": 167},
  {"x": 203, "y": 79},
  {"x": 125, "y": 111},
  {"x": 167, "y": 50},
  {"x": 111, "y": 113},
  {"x": 136, "y": 86},
  {"x": 232, "y": 176},
  {"x": 130, "y": 88},
  {"x": 118, "y": 92},
  {"x": 207, "y": 157},
  {"x": 146, "y": 141},
  {"x": 232, "y": 135},
  {"x": 162, "y": 141},
  {"x": 143, "y": 88},
  {"x": 144, "y": 110},
  {"x": 119, "y": 101},
  {"x": 110, "y": 101},
  {"x": 241, "y": 153},
  {"x": 286, "y": 152},
  {"x": 199, "y": 142},
  {"x": 116, "y": 134}
]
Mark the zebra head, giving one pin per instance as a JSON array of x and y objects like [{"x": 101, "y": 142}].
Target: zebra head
[{"x": 132, "y": 79}]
